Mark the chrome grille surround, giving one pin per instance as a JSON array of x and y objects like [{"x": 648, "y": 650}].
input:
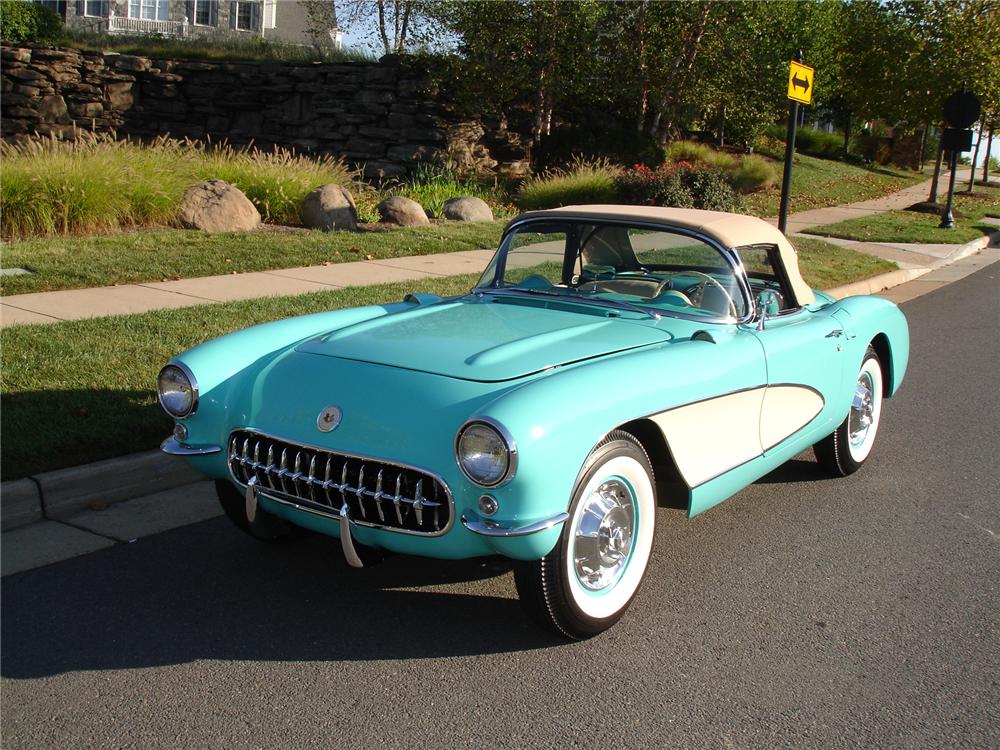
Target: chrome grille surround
[{"x": 381, "y": 494}]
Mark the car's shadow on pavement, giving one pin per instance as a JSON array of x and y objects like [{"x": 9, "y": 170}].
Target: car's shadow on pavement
[{"x": 208, "y": 592}]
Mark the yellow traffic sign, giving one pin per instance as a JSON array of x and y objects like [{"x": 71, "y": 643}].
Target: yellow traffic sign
[{"x": 800, "y": 82}]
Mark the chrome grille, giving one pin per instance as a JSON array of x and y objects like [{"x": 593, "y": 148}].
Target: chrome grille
[{"x": 378, "y": 493}]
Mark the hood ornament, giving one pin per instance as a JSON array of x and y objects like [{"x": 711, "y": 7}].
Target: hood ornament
[{"x": 329, "y": 418}]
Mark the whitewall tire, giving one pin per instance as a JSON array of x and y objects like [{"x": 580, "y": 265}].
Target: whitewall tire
[
  {"x": 845, "y": 450},
  {"x": 585, "y": 584}
]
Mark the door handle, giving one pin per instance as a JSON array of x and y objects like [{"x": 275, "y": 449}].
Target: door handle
[{"x": 835, "y": 334}]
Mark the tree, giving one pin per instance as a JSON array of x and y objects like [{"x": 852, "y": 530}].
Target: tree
[
  {"x": 398, "y": 23},
  {"x": 321, "y": 16}
]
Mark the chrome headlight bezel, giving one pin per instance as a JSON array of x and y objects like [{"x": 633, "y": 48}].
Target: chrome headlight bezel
[
  {"x": 192, "y": 388},
  {"x": 505, "y": 439}
]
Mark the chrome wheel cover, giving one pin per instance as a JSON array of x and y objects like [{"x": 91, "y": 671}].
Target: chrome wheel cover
[
  {"x": 602, "y": 544},
  {"x": 862, "y": 414}
]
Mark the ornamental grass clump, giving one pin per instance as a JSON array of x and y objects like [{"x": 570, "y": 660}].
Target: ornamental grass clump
[
  {"x": 580, "y": 183},
  {"x": 433, "y": 184},
  {"x": 274, "y": 181},
  {"x": 90, "y": 185}
]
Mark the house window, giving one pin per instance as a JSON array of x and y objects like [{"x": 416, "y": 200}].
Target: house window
[
  {"x": 247, "y": 15},
  {"x": 98, "y": 8},
  {"x": 154, "y": 10},
  {"x": 206, "y": 12}
]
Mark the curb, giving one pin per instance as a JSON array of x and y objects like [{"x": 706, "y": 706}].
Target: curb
[
  {"x": 888, "y": 280},
  {"x": 65, "y": 492}
]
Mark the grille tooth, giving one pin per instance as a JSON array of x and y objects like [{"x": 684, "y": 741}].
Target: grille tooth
[{"x": 422, "y": 493}]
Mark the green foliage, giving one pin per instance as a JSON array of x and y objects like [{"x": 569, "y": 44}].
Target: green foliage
[
  {"x": 745, "y": 174},
  {"x": 28, "y": 22},
  {"x": 594, "y": 137},
  {"x": 99, "y": 184},
  {"x": 583, "y": 182}
]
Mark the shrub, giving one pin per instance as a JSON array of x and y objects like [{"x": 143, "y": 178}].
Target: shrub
[
  {"x": 596, "y": 137},
  {"x": 752, "y": 173},
  {"x": 28, "y": 22},
  {"x": 655, "y": 187},
  {"x": 710, "y": 190},
  {"x": 811, "y": 141},
  {"x": 582, "y": 182},
  {"x": 274, "y": 181}
]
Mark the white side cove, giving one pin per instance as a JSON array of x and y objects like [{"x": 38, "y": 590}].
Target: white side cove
[{"x": 711, "y": 437}]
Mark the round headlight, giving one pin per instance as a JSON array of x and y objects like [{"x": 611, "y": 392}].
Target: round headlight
[
  {"x": 177, "y": 391},
  {"x": 484, "y": 454}
]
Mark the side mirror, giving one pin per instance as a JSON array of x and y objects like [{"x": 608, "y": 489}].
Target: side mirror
[{"x": 768, "y": 304}]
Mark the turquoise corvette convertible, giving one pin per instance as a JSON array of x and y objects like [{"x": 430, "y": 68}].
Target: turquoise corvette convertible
[{"x": 610, "y": 359}]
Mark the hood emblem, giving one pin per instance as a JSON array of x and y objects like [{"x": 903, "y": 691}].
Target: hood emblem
[{"x": 329, "y": 419}]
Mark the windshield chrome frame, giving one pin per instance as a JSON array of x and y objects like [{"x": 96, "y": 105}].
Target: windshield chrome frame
[{"x": 730, "y": 255}]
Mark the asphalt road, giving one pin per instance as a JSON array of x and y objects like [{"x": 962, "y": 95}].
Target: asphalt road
[{"x": 805, "y": 612}]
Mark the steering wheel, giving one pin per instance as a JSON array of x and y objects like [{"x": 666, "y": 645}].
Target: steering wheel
[{"x": 697, "y": 293}]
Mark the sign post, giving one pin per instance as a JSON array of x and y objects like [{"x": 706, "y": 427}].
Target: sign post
[
  {"x": 961, "y": 110},
  {"x": 800, "y": 89}
]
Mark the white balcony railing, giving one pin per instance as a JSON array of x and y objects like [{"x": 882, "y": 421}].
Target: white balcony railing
[{"x": 126, "y": 25}]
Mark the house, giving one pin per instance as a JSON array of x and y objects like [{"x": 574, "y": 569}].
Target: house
[{"x": 281, "y": 20}]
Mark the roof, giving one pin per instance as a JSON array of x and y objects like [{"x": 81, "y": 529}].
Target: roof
[{"x": 729, "y": 230}]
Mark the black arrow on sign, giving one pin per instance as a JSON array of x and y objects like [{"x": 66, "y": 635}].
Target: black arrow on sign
[{"x": 800, "y": 83}]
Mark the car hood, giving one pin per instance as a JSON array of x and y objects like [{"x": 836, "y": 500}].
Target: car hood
[{"x": 487, "y": 340}]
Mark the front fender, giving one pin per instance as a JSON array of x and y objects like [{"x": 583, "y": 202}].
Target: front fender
[{"x": 879, "y": 322}]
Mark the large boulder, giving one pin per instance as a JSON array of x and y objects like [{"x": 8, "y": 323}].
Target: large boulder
[
  {"x": 217, "y": 206},
  {"x": 329, "y": 207},
  {"x": 402, "y": 211},
  {"x": 467, "y": 208}
]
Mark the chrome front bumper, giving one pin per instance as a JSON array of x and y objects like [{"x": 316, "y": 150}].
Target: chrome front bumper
[
  {"x": 486, "y": 527},
  {"x": 173, "y": 447}
]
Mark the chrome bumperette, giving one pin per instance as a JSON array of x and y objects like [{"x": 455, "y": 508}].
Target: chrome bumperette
[
  {"x": 173, "y": 447},
  {"x": 486, "y": 527},
  {"x": 322, "y": 482}
]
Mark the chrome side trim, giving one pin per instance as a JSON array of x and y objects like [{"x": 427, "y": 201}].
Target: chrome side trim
[
  {"x": 485, "y": 527},
  {"x": 274, "y": 492},
  {"x": 505, "y": 436},
  {"x": 173, "y": 447}
]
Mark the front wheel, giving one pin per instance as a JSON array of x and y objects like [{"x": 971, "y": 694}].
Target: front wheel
[
  {"x": 846, "y": 449},
  {"x": 585, "y": 584}
]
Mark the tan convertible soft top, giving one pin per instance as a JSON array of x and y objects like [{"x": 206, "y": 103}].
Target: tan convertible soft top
[{"x": 729, "y": 230}]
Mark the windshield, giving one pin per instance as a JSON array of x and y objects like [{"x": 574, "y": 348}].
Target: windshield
[{"x": 659, "y": 270}]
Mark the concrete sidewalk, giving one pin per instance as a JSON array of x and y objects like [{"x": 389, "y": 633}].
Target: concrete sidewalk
[{"x": 76, "y": 304}]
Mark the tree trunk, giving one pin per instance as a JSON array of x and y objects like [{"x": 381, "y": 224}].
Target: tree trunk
[
  {"x": 986, "y": 161},
  {"x": 937, "y": 173},
  {"x": 975, "y": 155},
  {"x": 923, "y": 144},
  {"x": 847, "y": 132},
  {"x": 381, "y": 25},
  {"x": 720, "y": 131},
  {"x": 663, "y": 121},
  {"x": 643, "y": 84}
]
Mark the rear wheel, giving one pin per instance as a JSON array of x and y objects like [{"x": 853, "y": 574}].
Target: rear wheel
[
  {"x": 585, "y": 584},
  {"x": 845, "y": 450}
]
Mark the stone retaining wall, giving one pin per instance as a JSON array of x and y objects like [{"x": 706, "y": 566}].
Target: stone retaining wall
[{"x": 384, "y": 116}]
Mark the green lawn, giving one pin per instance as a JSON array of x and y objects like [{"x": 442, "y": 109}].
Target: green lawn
[
  {"x": 81, "y": 391},
  {"x": 74, "y": 262},
  {"x": 817, "y": 183},
  {"x": 909, "y": 226}
]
